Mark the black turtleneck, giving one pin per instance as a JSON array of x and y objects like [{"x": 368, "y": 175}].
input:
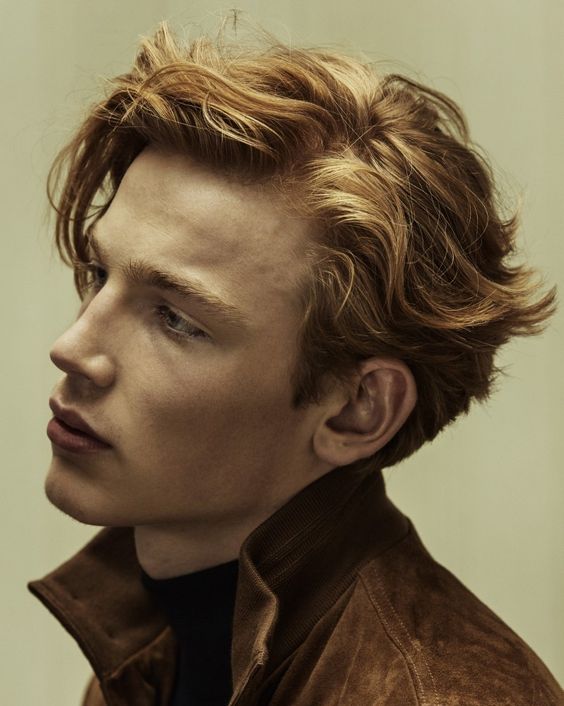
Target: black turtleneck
[{"x": 199, "y": 607}]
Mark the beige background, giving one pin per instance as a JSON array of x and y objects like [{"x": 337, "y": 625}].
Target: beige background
[{"x": 486, "y": 496}]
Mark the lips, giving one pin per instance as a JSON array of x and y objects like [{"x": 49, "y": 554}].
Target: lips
[{"x": 73, "y": 419}]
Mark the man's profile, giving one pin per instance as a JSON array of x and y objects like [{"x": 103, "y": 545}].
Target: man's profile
[{"x": 293, "y": 273}]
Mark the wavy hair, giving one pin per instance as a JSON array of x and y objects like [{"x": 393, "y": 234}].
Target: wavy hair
[{"x": 412, "y": 254}]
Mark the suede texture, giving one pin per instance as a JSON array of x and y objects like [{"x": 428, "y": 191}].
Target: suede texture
[{"x": 338, "y": 603}]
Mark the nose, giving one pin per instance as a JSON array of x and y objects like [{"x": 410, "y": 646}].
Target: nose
[{"x": 78, "y": 351}]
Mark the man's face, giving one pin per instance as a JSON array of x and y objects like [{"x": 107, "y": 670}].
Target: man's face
[{"x": 202, "y": 429}]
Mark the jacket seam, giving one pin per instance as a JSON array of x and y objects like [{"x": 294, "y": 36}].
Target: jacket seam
[{"x": 400, "y": 644}]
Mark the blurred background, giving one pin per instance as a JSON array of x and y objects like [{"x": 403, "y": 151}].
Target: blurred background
[{"x": 487, "y": 495}]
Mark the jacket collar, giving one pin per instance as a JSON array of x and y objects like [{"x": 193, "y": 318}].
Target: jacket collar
[{"x": 292, "y": 568}]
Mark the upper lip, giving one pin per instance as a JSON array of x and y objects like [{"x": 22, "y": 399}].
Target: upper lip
[{"x": 73, "y": 419}]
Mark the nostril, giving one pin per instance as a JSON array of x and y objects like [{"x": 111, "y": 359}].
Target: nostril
[{"x": 96, "y": 368}]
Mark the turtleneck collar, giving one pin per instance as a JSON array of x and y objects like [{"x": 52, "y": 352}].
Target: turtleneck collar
[
  {"x": 199, "y": 607},
  {"x": 199, "y": 602}
]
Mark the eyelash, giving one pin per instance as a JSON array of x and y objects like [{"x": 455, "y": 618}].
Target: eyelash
[{"x": 161, "y": 311}]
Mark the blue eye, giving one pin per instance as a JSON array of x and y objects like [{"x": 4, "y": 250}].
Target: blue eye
[
  {"x": 170, "y": 318},
  {"x": 172, "y": 323}
]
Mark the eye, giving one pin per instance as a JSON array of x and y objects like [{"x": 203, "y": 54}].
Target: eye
[
  {"x": 171, "y": 323},
  {"x": 177, "y": 326},
  {"x": 95, "y": 275}
]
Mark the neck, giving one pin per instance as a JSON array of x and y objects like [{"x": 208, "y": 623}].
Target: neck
[
  {"x": 172, "y": 549},
  {"x": 168, "y": 551}
]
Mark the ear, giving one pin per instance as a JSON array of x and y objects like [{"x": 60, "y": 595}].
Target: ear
[{"x": 381, "y": 396}]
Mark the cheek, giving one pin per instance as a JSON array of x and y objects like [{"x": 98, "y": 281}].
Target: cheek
[
  {"x": 168, "y": 402},
  {"x": 210, "y": 389},
  {"x": 202, "y": 406}
]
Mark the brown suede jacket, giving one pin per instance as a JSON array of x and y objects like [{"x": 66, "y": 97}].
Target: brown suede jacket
[{"x": 338, "y": 603}]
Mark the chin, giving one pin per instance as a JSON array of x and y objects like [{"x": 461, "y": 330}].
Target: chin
[{"x": 64, "y": 491}]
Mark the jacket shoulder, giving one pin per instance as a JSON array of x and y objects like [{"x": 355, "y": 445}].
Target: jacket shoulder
[{"x": 455, "y": 649}]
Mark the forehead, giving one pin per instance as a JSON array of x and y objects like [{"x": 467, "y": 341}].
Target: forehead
[{"x": 243, "y": 240}]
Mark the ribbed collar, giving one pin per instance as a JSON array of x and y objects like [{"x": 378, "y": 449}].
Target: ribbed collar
[{"x": 292, "y": 569}]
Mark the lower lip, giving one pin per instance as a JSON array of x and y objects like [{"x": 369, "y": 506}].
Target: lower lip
[{"x": 72, "y": 439}]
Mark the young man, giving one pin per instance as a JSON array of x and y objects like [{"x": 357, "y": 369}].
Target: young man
[{"x": 297, "y": 277}]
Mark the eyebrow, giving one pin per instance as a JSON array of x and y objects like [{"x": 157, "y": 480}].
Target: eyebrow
[{"x": 139, "y": 271}]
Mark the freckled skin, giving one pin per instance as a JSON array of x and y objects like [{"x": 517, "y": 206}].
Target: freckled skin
[{"x": 205, "y": 443}]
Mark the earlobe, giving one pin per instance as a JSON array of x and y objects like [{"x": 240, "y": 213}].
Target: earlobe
[{"x": 382, "y": 398}]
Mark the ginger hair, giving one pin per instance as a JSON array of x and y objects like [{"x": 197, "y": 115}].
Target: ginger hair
[{"x": 411, "y": 256}]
